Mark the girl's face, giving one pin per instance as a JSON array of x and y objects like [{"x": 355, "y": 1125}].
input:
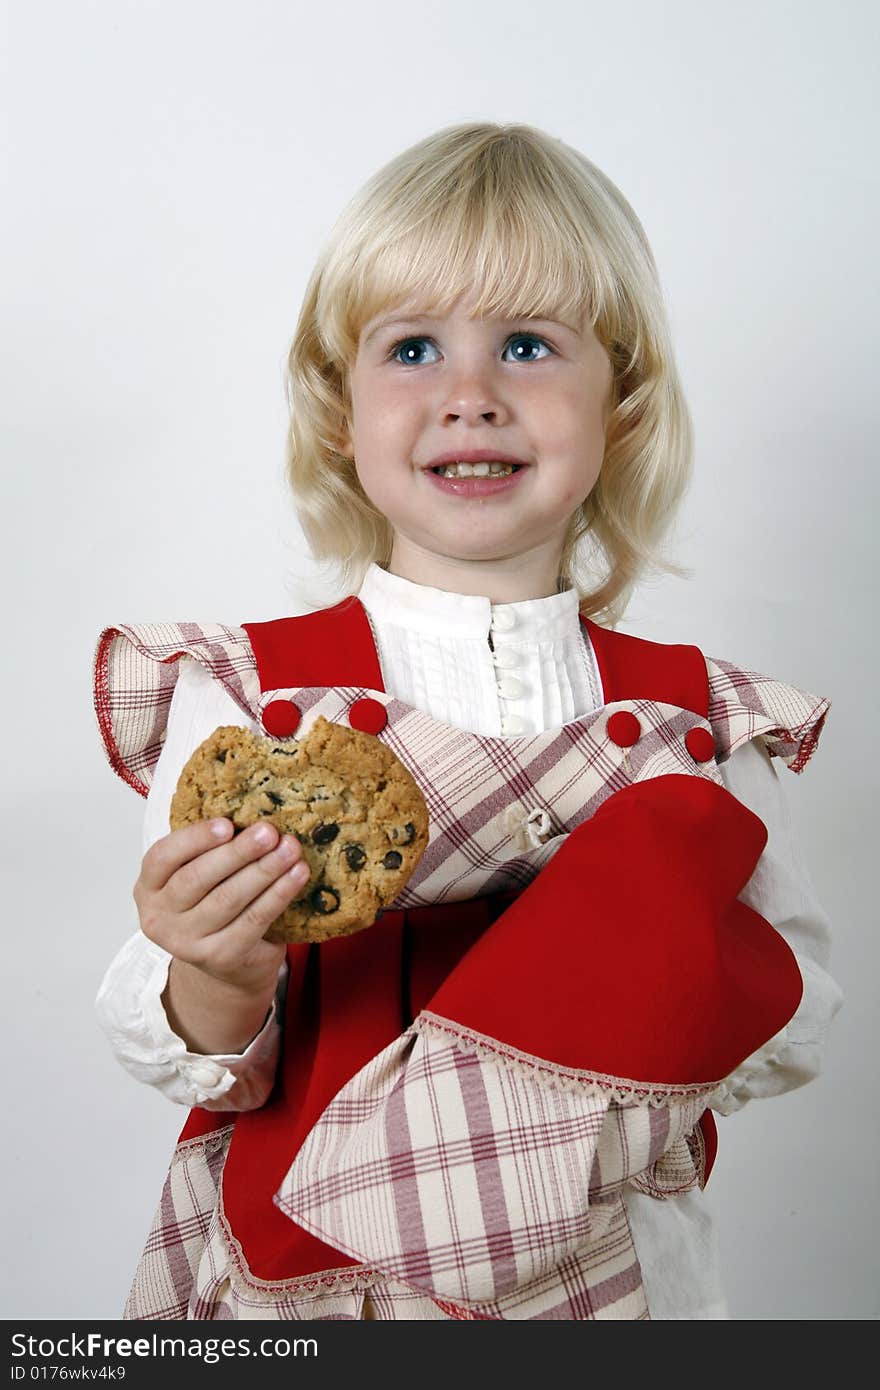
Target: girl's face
[{"x": 533, "y": 390}]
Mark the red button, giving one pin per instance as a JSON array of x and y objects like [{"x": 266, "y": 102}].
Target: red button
[
  {"x": 370, "y": 716},
  {"x": 281, "y": 718},
  {"x": 700, "y": 744},
  {"x": 623, "y": 728}
]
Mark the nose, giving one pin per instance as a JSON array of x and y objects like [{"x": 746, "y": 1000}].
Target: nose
[{"x": 473, "y": 394}]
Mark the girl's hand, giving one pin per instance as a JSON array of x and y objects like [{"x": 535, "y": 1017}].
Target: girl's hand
[{"x": 207, "y": 898}]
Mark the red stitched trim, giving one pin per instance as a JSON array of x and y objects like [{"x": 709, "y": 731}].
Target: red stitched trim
[
  {"x": 811, "y": 737},
  {"x": 462, "y": 1314},
  {"x": 804, "y": 737},
  {"x": 103, "y": 711}
]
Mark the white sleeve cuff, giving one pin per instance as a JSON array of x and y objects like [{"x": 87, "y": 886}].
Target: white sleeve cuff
[
  {"x": 794, "y": 1055},
  {"x": 130, "y": 1011}
]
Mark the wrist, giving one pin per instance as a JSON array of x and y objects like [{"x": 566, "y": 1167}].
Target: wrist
[
  {"x": 214, "y": 1016},
  {"x": 239, "y": 992}
]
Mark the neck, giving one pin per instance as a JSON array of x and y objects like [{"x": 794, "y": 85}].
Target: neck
[{"x": 508, "y": 579}]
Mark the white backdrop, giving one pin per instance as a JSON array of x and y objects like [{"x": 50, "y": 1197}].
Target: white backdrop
[{"x": 173, "y": 170}]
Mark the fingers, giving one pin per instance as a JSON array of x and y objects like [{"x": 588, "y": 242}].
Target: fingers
[
  {"x": 209, "y": 902},
  {"x": 194, "y": 881},
  {"x": 168, "y": 855},
  {"x": 237, "y": 891},
  {"x": 198, "y": 863},
  {"x": 224, "y": 948}
]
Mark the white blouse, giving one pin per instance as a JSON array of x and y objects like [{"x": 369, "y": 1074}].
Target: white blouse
[{"x": 496, "y": 670}]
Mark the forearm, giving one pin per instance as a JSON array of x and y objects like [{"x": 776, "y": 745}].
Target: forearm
[{"x": 210, "y": 1016}]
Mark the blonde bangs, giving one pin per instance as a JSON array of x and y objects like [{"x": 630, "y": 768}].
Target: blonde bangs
[{"x": 512, "y": 234}]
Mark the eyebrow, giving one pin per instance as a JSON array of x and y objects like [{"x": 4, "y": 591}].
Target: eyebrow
[{"x": 411, "y": 320}]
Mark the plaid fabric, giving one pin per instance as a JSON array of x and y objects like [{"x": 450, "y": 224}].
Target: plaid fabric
[
  {"x": 135, "y": 670},
  {"x": 469, "y": 1188},
  {"x": 176, "y": 1242},
  {"x": 500, "y": 808},
  {"x": 466, "y": 1179},
  {"x": 191, "y": 1266},
  {"x": 675, "y": 1170},
  {"x": 744, "y": 705}
]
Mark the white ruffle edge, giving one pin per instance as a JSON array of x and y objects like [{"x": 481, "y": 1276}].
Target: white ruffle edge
[{"x": 617, "y": 1089}]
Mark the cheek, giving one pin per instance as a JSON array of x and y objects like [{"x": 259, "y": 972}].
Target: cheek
[
  {"x": 579, "y": 492},
  {"x": 368, "y": 477},
  {"x": 383, "y": 424},
  {"x": 573, "y": 421},
  {"x": 376, "y": 479}
]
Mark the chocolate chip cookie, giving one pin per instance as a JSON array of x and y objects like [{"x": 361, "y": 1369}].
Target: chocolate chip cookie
[{"x": 359, "y": 815}]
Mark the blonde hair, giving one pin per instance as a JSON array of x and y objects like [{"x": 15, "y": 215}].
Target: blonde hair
[{"x": 524, "y": 226}]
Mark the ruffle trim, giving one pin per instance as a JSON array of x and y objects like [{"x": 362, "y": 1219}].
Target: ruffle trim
[
  {"x": 745, "y": 704},
  {"x": 328, "y": 1281},
  {"x": 348, "y": 1279},
  {"x": 135, "y": 672},
  {"x": 210, "y": 1142},
  {"x": 619, "y": 1090}
]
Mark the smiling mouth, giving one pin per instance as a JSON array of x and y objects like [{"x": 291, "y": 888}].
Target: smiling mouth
[{"x": 475, "y": 470}]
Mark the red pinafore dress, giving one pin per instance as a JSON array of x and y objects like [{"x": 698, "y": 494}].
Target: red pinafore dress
[{"x": 466, "y": 1087}]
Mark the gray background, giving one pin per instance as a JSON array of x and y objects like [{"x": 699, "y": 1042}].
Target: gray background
[{"x": 173, "y": 170}]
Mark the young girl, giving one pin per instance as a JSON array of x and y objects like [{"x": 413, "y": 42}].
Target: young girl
[{"x": 496, "y": 1101}]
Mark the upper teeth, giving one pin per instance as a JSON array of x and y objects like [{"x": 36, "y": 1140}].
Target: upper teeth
[{"x": 475, "y": 470}]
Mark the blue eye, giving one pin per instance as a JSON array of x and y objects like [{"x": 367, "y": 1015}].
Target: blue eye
[
  {"x": 529, "y": 338},
  {"x": 411, "y": 345}
]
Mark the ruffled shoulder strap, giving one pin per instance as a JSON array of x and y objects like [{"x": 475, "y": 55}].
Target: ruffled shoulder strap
[
  {"x": 135, "y": 671},
  {"x": 744, "y": 705}
]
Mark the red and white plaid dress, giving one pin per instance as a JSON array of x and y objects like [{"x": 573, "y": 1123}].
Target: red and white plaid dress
[{"x": 425, "y": 1153}]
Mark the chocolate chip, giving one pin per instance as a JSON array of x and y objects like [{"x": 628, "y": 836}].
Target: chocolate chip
[
  {"x": 221, "y": 756},
  {"x": 355, "y": 856},
  {"x": 275, "y": 799},
  {"x": 323, "y": 834},
  {"x": 404, "y": 836},
  {"x": 325, "y": 901},
  {"x": 392, "y": 859}
]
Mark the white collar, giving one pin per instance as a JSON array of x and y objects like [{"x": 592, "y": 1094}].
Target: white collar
[{"x": 403, "y": 603}]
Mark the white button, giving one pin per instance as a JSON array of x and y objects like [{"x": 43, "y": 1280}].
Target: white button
[
  {"x": 502, "y": 619},
  {"x": 205, "y": 1073},
  {"x": 506, "y": 657},
  {"x": 511, "y": 724},
  {"x": 509, "y": 688},
  {"x": 537, "y": 827}
]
